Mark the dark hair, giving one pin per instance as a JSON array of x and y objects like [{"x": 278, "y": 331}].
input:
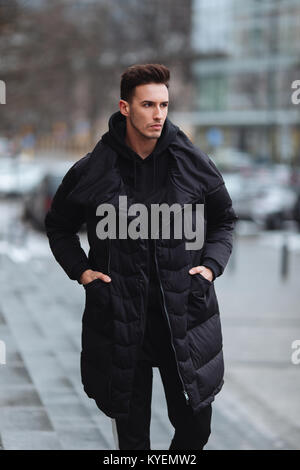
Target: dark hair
[{"x": 141, "y": 74}]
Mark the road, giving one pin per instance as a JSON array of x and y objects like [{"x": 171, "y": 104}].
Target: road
[{"x": 42, "y": 403}]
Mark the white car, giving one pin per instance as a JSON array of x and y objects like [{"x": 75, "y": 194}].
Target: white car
[
  {"x": 261, "y": 198},
  {"x": 18, "y": 177}
]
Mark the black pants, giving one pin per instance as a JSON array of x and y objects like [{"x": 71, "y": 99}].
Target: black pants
[{"x": 191, "y": 431}]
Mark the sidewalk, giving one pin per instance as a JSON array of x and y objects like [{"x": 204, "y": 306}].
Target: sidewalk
[{"x": 42, "y": 403}]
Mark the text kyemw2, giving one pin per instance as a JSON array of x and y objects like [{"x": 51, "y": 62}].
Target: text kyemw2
[
  {"x": 138, "y": 227},
  {"x": 172, "y": 459}
]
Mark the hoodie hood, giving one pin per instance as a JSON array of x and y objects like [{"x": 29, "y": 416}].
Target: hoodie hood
[{"x": 115, "y": 138}]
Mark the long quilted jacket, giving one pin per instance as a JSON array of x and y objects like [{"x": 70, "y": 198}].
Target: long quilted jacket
[{"x": 114, "y": 315}]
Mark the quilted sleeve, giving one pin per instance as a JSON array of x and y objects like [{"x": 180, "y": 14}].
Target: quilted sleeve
[
  {"x": 221, "y": 218},
  {"x": 62, "y": 223}
]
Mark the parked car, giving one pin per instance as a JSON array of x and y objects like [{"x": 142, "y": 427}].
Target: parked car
[
  {"x": 38, "y": 201},
  {"x": 18, "y": 177},
  {"x": 242, "y": 190},
  {"x": 273, "y": 205},
  {"x": 261, "y": 199},
  {"x": 232, "y": 159}
]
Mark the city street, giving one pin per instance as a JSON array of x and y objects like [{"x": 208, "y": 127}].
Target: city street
[{"x": 42, "y": 403}]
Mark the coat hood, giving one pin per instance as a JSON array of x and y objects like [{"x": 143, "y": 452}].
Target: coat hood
[
  {"x": 115, "y": 138},
  {"x": 192, "y": 174}
]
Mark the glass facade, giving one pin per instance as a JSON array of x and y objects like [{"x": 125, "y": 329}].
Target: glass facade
[{"x": 247, "y": 54}]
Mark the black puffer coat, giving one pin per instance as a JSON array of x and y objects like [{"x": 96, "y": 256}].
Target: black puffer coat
[{"x": 114, "y": 314}]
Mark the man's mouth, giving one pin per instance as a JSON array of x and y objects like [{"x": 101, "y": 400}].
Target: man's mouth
[{"x": 156, "y": 126}]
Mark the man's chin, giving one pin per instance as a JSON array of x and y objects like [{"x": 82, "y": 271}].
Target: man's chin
[{"x": 154, "y": 134}]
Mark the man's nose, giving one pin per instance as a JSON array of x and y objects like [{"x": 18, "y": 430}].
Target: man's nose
[{"x": 158, "y": 114}]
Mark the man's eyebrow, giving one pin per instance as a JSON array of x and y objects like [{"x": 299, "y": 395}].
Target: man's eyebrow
[{"x": 148, "y": 101}]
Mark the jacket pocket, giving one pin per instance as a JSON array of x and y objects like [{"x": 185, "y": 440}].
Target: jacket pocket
[
  {"x": 98, "y": 312},
  {"x": 94, "y": 282},
  {"x": 200, "y": 285},
  {"x": 197, "y": 311}
]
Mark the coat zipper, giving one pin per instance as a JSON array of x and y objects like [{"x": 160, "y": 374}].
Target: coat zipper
[{"x": 165, "y": 309}]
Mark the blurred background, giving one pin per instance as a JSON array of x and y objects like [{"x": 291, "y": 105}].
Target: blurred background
[{"x": 232, "y": 68}]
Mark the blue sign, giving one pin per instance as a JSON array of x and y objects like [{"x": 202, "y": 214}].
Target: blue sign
[{"x": 214, "y": 136}]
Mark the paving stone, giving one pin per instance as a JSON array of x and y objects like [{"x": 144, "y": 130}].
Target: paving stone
[
  {"x": 68, "y": 412},
  {"x": 30, "y": 440},
  {"x": 24, "y": 418},
  {"x": 19, "y": 396},
  {"x": 14, "y": 375},
  {"x": 59, "y": 396},
  {"x": 2, "y": 319},
  {"x": 83, "y": 438}
]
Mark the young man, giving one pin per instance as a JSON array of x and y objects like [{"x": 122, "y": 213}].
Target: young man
[{"x": 150, "y": 300}]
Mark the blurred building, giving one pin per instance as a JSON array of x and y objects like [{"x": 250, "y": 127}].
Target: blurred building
[
  {"x": 247, "y": 54},
  {"x": 68, "y": 94}
]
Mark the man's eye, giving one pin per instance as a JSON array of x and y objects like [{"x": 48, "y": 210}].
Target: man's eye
[{"x": 149, "y": 104}]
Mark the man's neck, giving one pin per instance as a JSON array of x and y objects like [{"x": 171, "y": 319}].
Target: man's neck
[{"x": 142, "y": 146}]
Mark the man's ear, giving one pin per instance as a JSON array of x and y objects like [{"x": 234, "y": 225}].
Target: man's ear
[{"x": 124, "y": 107}]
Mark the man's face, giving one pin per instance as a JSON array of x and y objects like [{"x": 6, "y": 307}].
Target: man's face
[{"x": 147, "y": 111}]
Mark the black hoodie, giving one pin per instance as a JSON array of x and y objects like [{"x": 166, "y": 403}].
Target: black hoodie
[{"x": 144, "y": 178}]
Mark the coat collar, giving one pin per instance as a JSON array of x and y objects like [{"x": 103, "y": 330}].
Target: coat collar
[{"x": 191, "y": 175}]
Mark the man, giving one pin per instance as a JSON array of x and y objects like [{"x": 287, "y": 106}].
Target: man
[{"x": 150, "y": 301}]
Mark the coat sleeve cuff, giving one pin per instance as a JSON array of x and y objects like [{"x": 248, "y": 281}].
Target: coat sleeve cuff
[
  {"x": 79, "y": 269},
  {"x": 213, "y": 265}
]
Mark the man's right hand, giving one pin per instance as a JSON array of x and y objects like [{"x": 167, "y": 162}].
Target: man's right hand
[{"x": 89, "y": 275}]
